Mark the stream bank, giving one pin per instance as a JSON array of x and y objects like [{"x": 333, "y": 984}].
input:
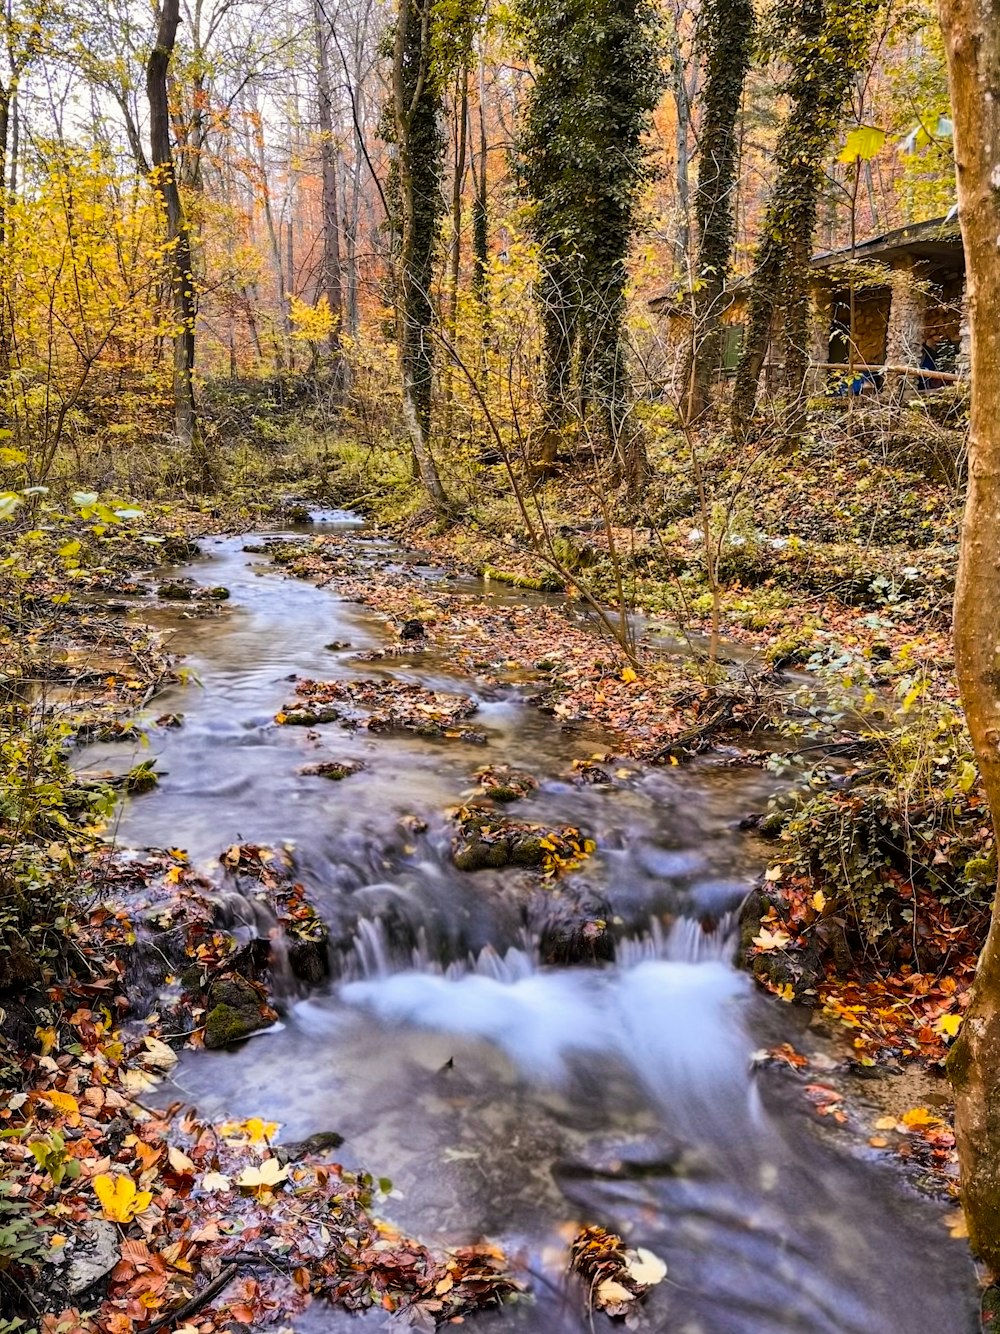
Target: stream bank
[{"x": 502, "y": 1097}]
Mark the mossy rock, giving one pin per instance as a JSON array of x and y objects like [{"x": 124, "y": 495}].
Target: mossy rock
[
  {"x": 224, "y": 1025},
  {"x": 335, "y": 770},
  {"x": 477, "y": 854},
  {"x": 527, "y": 850},
  {"x": 307, "y": 717},
  {"x": 176, "y": 590},
  {"x": 236, "y": 1008}
]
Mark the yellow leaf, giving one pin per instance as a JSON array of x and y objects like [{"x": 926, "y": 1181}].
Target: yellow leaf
[
  {"x": 885, "y": 1123},
  {"x": 48, "y": 1037},
  {"x": 264, "y": 1178},
  {"x": 864, "y": 142},
  {"x": 64, "y": 1102},
  {"x": 819, "y": 900},
  {"x": 920, "y": 1116},
  {"x": 157, "y": 1054},
  {"x": 772, "y": 873},
  {"x": 629, "y": 675},
  {"x": 120, "y": 1200},
  {"x": 949, "y": 1024},
  {"x": 771, "y": 940},
  {"x": 786, "y": 992},
  {"x": 444, "y": 1285},
  {"x": 214, "y": 1181}
]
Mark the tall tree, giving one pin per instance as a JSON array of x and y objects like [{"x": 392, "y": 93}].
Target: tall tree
[
  {"x": 583, "y": 162},
  {"x": 825, "y": 43},
  {"x": 178, "y": 244},
  {"x": 972, "y": 38},
  {"x": 727, "y": 37},
  {"x": 330, "y": 281},
  {"x": 416, "y": 102}
]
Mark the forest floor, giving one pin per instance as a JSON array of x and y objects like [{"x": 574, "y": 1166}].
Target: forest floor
[{"x": 832, "y": 589}]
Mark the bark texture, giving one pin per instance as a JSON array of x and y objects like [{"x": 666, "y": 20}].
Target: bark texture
[
  {"x": 416, "y": 107},
  {"x": 330, "y": 282},
  {"x": 972, "y": 39},
  {"x": 826, "y": 47},
  {"x": 178, "y": 237},
  {"x": 728, "y": 38}
]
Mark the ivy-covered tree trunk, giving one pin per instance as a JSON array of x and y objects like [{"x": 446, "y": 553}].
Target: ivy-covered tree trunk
[
  {"x": 330, "y": 279},
  {"x": 727, "y": 37},
  {"x": 480, "y": 202},
  {"x": 972, "y": 39},
  {"x": 416, "y": 99},
  {"x": 828, "y": 42},
  {"x": 178, "y": 236},
  {"x": 583, "y": 163}
]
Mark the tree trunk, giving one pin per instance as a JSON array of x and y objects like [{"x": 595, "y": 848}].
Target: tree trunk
[
  {"x": 330, "y": 283},
  {"x": 972, "y": 39},
  {"x": 826, "y": 48},
  {"x": 418, "y": 161},
  {"x": 182, "y": 288},
  {"x": 461, "y": 139},
  {"x": 480, "y": 206},
  {"x": 729, "y": 35}
]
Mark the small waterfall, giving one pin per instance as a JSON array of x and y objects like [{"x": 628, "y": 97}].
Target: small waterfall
[{"x": 376, "y": 951}]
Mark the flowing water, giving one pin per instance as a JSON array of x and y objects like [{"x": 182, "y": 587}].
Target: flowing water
[{"x": 503, "y": 1098}]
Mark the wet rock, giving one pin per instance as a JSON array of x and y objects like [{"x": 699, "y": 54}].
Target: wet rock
[
  {"x": 312, "y": 1147},
  {"x": 413, "y": 629},
  {"x": 570, "y": 938},
  {"x": 383, "y": 706},
  {"x": 488, "y": 840},
  {"x": 307, "y": 717},
  {"x": 170, "y": 720},
  {"x": 267, "y": 876},
  {"x": 333, "y": 769},
  {"x": 236, "y": 1008},
  {"x": 501, "y": 783},
  {"x": 89, "y": 1256},
  {"x": 587, "y": 772},
  {"x": 177, "y": 590},
  {"x": 186, "y": 590},
  {"x": 802, "y": 970}
]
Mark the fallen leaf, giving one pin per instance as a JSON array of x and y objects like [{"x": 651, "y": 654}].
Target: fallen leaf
[
  {"x": 610, "y": 1293},
  {"x": 180, "y": 1162},
  {"x": 771, "y": 940},
  {"x": 263, "y": 1178},
  {"x": 120, "y": 1200},
  {"x": 646, "y": 1268}
]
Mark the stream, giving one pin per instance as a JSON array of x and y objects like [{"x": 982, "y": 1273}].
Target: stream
[{"x": 502, "y": 1098}]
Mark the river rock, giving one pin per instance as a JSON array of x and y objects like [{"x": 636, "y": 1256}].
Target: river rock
[
  {"x": 236, "y": 1008},
  {"x": 89, "y": 1256}
]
